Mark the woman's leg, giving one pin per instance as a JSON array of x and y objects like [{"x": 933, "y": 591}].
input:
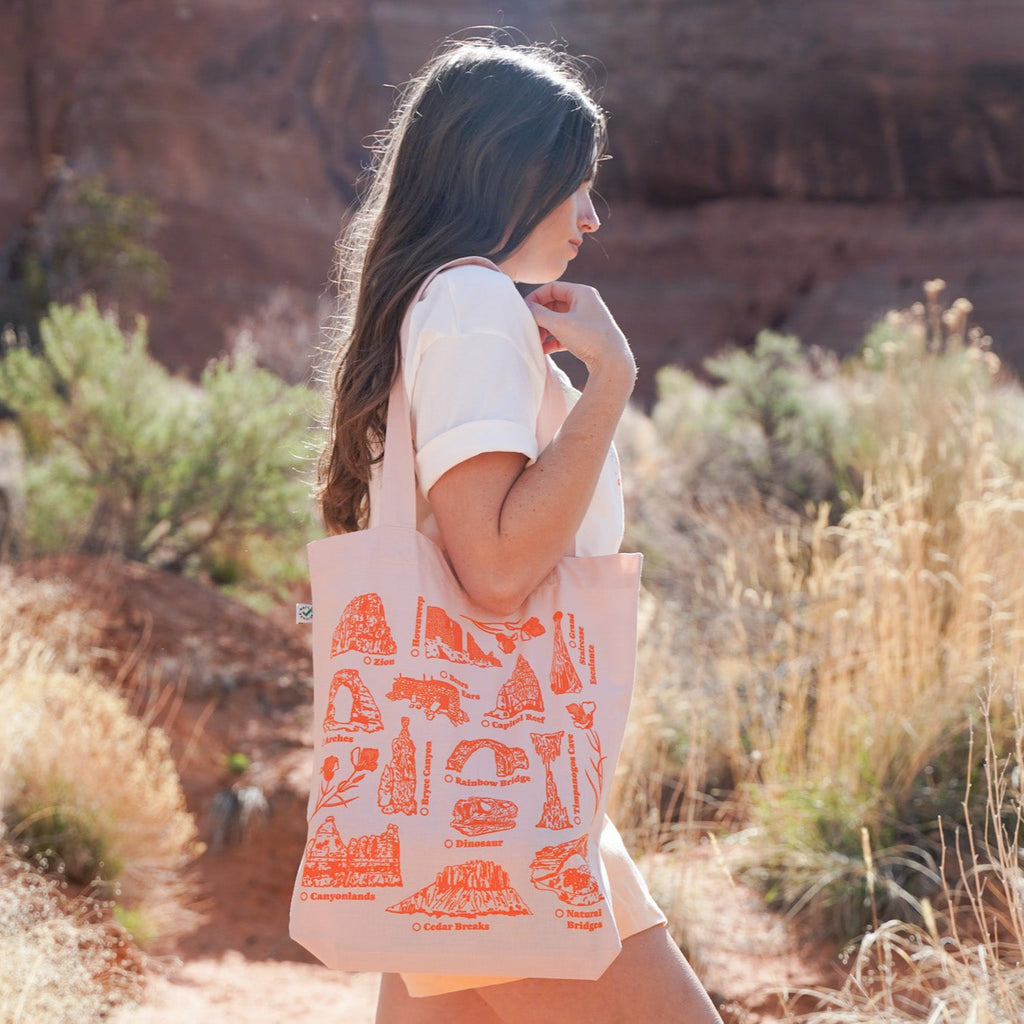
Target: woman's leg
[
  {"x": 396, "y": 1006},
  {"x": 649, "y": 981}
]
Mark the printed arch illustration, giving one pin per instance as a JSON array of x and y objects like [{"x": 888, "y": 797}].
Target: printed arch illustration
[{"x": 507, "y": 760}]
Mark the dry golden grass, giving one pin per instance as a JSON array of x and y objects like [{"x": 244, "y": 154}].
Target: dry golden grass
[
  {"x": 830, "y": 667},
  {"x": 865, "y": 647},
  {"x": 86, "y": 786},
  {"x": 902, "y": 974},
  {"x": 967, "y": 963},
  {"x": 60, "y": 961},
  {"x": 847, "y": 655},
  {"x": 87, "y": 779},
  {"x": 885, "y": 625}
]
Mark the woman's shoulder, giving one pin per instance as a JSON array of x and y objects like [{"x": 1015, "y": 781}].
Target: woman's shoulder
[
  {"x": 474, "y": 298},
  {"x": 480, "y": 274},
  {"x": 472, "y": 314}
]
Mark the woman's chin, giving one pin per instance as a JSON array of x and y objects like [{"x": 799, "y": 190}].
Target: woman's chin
[{"x": 558, "y": 270}]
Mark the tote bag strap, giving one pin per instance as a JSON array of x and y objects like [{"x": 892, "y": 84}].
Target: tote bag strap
[{"x": 398, "y": 473}]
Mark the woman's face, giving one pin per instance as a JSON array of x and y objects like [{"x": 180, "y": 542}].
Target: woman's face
[{"x": 547, "y": 249}]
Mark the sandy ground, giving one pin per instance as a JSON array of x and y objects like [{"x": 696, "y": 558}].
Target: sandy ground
[{"x": 231, "y": 988}]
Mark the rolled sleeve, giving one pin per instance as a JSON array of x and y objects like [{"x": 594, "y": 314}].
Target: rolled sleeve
[
  {"x": 472, "y": 388},
  {"x": 468, "y": 440}
]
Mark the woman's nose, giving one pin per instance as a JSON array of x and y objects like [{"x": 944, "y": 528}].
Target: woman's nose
[{"x": 588, "y": 219}]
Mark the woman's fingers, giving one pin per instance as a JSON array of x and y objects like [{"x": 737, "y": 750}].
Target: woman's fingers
[
  {"x": 556, "y": 305},
  {"x": 574, "y": 317},
  {"x": 549, "y": 343},
  {"x": 557, "y": 296},
  {"x": 548, "y": 319}
]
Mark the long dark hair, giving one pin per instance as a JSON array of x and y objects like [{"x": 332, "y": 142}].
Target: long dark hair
[{"x": 485, "y": 142}]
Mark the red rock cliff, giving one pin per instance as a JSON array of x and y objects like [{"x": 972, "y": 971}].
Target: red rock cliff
[{"x": 802, "y": 164}]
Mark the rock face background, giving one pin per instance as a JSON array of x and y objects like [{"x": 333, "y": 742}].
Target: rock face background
[{"x": 800, "y": 164}]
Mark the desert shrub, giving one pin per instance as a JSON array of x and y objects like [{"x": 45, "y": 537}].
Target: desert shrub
[
  {"x": 782, "y": 423},
  {"x": 773, "y": 429},
  {"x": 87, "y": 237},
  {"x": 92, "y": 793},
  {"x": 125, "y": 457},
  {"x": 962, "y": 961},
  {"x": 834, "y": 655},
  {"x": 62, "y": 960},
  {"x": 790, "y": 429},
  {"x": 88, "y": 791}
]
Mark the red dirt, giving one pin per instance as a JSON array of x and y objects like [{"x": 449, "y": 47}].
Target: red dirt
[{"x": 222, "y": 680}]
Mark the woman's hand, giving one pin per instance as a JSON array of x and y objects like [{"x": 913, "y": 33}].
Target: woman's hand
[
  {"x": 574, "y": 318},
  {"x": 505, "y": 524}
]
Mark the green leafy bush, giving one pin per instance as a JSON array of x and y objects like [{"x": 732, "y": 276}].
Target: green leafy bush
[
  {"x": 125, "y": 457},
  {"x": 784, "y": 428},
  {"x": 87, "y": 237}
]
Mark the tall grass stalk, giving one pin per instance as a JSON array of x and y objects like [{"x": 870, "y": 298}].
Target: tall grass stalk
[{"x": 965, "y": 961}]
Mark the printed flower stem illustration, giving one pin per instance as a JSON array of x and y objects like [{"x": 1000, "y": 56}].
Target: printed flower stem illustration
[
  {"x": 364, "y": 759},
  {"x": 597, "y": 763},
  {"x": 583, "y": 718}
]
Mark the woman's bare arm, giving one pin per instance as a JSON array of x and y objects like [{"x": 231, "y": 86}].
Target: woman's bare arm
[{"x": 505, "y": 524}]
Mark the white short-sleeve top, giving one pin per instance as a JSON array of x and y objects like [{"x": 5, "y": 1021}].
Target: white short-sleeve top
[{"x": 474, "y": 372}]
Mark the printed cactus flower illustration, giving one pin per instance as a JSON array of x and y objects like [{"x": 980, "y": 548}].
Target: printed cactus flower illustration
[
  {"x": 582, "y": 716},
  {"x": 363, "y": 759},
  {"x": 329, "y": 768}
]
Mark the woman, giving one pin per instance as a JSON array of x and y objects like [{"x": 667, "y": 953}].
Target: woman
[{"x": 493, "y": 153}]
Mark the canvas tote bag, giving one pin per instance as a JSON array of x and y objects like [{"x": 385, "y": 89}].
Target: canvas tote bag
[{"x": 462, "y": 762}]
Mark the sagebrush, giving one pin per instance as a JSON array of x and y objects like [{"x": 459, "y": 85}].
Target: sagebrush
[{"x": 124, "y": 457}]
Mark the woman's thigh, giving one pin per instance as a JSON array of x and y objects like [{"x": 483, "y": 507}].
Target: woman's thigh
[
  {"x": 648, "y": 981},
  {"x": 396, "y": 1006}
]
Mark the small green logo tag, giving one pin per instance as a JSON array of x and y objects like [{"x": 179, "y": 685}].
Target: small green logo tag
[{"x": 303, "y": 613}]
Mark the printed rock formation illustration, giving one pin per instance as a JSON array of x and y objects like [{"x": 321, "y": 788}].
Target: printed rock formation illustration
[
  {"x": 364, "y": 714},
  {"x": 506, "y": 759},
  {"x": 396, "y": 793},
  {"x": 520, "y": 692},
  {"x": 431, "y": 696},
  {"x": 564, "y": 677},
  {"x": 364, "y": 861},
  {"x": 444, "y": 639},
  {"x": 473, "y": 889},
  {"x": 549, "y": 747},
  {"x": 563, "y": 869},
  {"x": 363, "y": 627}
]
